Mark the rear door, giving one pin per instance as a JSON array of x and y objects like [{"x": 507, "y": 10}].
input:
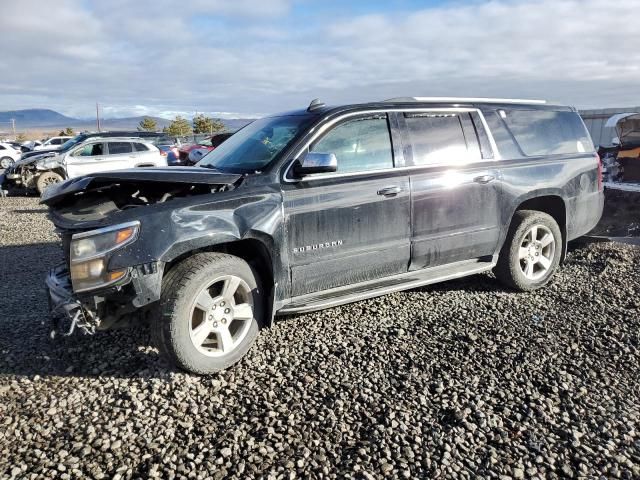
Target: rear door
[
  {"x": 352, "y": 225},
  {"x": 454, "y": 196},
  {"x": 121, "y": 155}
]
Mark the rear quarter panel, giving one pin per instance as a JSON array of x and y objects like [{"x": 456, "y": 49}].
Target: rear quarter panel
[{"x": 573, "y": 178}]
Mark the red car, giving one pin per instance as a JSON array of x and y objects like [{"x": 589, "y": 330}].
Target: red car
[{"x": 192, "y": 153}]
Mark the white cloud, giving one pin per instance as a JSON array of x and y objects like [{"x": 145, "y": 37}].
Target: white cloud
[{"x": 164, "y": 57}]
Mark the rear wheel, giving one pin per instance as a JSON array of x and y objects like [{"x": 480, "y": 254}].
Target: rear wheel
[
  {"x": 210, "y": 312},
  {"x": 531, "y": 252},
  {"x": 47, "y": 179},
  {"x": 6, "y": 162}
]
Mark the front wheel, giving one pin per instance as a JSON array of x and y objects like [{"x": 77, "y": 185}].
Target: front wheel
[
  {"x": 531, "y": 252},
  {"x": 46, "y": 179},
  {"x": 210, "y": 312}
]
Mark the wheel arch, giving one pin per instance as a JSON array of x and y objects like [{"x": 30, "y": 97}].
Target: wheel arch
[
  {"x": 551, "y": 204},
  {"x": 255, "y": 250}
]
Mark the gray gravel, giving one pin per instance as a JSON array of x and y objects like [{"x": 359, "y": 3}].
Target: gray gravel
[{"x": 461, "y": 379}]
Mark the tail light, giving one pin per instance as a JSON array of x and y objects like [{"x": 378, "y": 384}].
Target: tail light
[
  {"x": 599, "y": 172},
  {"x": 163, "y": 153}
]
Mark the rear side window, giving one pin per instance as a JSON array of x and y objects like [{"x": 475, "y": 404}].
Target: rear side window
[
  {"x": 439, "y": 138},
  {"x": 503, "y": 138},
  {"x": 547, "y": 132},
  {"x": 359, "y": 145},
  {"x": 116, "y": 148},
  {"x": 140, "y": 147}
]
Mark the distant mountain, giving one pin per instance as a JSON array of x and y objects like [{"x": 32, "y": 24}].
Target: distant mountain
[
  {"x": 44, "y": 119},
  {"x": 35, "y": 117}
]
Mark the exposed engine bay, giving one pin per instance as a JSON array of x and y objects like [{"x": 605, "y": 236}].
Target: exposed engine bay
[{"x": 93, "y": 198}]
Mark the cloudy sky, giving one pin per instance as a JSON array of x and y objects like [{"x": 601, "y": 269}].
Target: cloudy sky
[{"x": 237, "y": 58}]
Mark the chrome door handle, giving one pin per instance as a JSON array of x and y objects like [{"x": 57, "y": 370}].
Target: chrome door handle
[
  {"x": 389, "y": 191},
  {"x": 484, "y": 179}
]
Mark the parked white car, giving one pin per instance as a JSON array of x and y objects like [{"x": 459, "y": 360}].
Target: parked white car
[
  {"x": 52, "y": 142},
  {"x": 8, "y": 155},
  {"x": 96, "y": 154}
]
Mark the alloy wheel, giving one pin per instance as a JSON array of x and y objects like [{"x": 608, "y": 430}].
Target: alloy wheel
[
  {"x": 536, "y": 252},
  {"x": 221, "y": 316}
]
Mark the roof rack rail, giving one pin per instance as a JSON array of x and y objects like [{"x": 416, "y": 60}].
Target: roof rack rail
[{"x": 465, "y": 100}]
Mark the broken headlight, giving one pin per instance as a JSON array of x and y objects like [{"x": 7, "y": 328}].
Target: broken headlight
[{"x": 89, "y": 255}]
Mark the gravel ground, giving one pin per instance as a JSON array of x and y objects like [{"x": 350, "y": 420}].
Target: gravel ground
[{"x": 463, "y": 379}]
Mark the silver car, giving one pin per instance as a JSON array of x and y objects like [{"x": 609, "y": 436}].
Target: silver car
[{"x": 96, "y": 154}]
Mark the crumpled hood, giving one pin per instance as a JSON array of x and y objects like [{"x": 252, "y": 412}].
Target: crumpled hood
[
  {"x": 35, "y": 158},
  {"x": 37, "y": 153},
  {"x": 169, "y": 177}
]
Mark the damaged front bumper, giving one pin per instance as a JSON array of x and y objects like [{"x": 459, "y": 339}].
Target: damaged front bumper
[
  {"x": 102, "y": 309},
  {"x": 68, "y": 313}
]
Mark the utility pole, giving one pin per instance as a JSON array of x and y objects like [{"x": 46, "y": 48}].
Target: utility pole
[
  {"x": 13, "y": 126},
  {"x": 97, "y": 117}
]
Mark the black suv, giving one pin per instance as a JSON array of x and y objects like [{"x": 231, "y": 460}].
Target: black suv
[{"x": 314, "y": 208}]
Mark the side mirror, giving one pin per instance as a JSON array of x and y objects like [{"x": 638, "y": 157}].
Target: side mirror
[{"x": 315, "y": 162}]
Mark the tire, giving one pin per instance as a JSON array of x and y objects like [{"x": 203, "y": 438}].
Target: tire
[
  {"x": 46, "y": 179},
  {"x": 179, "y": 316},
  {"x": 526, "y": 264}
]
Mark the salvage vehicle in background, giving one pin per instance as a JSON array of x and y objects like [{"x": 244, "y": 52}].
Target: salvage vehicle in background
[
  {"x": 53, "y": 142},
  {"x": 320, "y": 207},
  {"x": 8, "y": 155},
  {"x": 621, "y": 160},
  {"x": 193, "y": 153},
  {"x": 29, "y": 145},
  {"x": 97, "y": 154},
  {"x": 152, "y": 136}
]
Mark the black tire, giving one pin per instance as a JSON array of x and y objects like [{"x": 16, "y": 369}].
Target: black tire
[
  {"x": 6, "y": 162},
  {"x": 172, "y": 320},
  {"x": 509, "y": 268},
  {"x": 46, "y": 179}
]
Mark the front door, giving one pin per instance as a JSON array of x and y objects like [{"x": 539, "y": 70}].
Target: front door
[
  {"x": 353, "y": 225},
  {"x": 86, "y": 159},
  {"x": 454, "y": 193}
]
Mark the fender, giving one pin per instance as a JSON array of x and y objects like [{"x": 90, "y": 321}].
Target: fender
[{"x": 543, "y": 195}]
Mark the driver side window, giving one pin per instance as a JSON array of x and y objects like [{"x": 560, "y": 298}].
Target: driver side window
[
  {"x": 361, "y": 144},
  {"x": 91, "y": 150}
]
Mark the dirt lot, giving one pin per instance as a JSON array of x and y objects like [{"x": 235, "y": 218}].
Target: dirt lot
[{"x": 462, "y": 379}]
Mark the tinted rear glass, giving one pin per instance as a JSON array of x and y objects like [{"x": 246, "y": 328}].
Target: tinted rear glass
[
  {"x": 140, "y": 147},
  {"x": 116, "y": 148},
  {"x": 547, "y": 132},
  {"x": 438, "y": 138},
  {"x": 503, "y": 138}
]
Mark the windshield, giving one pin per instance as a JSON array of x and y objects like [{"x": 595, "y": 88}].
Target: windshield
[
  {"x": 71, "y": 142},
  {"x": 255, "y": 146}
]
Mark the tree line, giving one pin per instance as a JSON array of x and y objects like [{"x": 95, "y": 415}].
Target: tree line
[{"x": 180, "y": 126}]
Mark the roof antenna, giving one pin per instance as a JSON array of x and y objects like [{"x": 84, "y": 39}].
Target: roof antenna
[{"x": 315, "y": 105}]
